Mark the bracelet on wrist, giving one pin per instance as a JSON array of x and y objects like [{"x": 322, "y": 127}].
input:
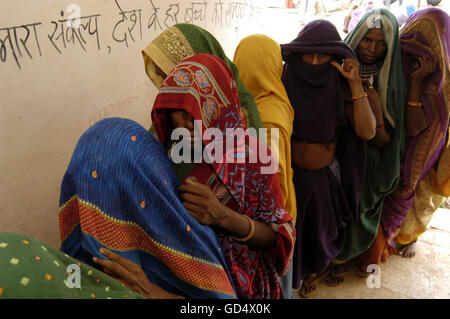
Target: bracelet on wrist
[
  {"x": 414, "y": 104},
  {"x": 355, "y": 98},
  {"x": 250, "y": 234}
]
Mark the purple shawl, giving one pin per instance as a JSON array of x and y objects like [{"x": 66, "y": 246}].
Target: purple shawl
[
  {"x": 315, "y": 94},
  {"x": 423, "y": 34}
]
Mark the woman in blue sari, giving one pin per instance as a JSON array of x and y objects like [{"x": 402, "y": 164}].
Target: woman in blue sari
[{"x": 120, "y": 193}]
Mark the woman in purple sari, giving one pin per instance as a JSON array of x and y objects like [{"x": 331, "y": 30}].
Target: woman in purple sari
[
  {"x": 425, "y": 55},
  {"x": 328, "y": 157}
]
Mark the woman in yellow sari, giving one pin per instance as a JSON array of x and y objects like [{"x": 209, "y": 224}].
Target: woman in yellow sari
[{"x": 258, "y": 58}]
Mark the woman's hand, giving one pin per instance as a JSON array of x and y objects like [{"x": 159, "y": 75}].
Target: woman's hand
[
  {"x": 201, "y": 203},
  {"x": 131, "y": 275},
  {"x": 426, "y": 67},
  {"x": 349, "y": 70}
]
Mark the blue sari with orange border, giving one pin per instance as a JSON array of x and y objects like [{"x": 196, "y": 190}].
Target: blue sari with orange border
[{"x": 120, "y": 192}]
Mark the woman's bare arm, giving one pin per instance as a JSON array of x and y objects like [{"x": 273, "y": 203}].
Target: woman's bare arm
[{"x": 203, "y": 205}]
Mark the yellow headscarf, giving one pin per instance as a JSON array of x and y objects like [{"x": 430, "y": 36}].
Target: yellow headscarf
[
  {"x": 164, "y": 52},
  {"x": 260, "y": 65}
]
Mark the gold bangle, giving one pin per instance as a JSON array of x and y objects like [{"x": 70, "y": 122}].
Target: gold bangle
[
  {"x": 415, "y": 104},
  {"x": 354, "y": 98},
  {"x": 250, "y": 234}
]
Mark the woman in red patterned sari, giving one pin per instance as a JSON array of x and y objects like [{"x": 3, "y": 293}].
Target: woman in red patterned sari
[{"x": 236, "y": 193}]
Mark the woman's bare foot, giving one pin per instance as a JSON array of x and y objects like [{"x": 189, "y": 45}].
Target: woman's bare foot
[
  {"x": 309, "y": 285},
  {"x": 336, "y": 275},
  {"x": 408, "y": 251}
]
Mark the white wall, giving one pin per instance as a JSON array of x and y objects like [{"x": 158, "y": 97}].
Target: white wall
[{"x": 50, "y": 94}]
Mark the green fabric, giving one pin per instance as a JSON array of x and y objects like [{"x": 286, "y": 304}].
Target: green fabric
[
  {"x": 183, "y": 170},
  {"x": 30, "y": 269},
  {"x": 383, "y": 166},
  {"x": 204, "y": 42}
]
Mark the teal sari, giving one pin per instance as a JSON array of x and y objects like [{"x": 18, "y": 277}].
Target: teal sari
[{"x": 383, "y": 166}]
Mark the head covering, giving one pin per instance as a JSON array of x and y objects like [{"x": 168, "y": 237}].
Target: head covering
[
  {"x": 318, "y": 36},
  {"x": 259, "y": 60},
  {"x": 391, "y": 69},
  {"x": 392, "y": 90},
  {"x": 315, "y": 90},
  {"x": 203, "y": 85},
  {"x": 426, "y": 33},
  {"x": 120, "y": 192},
  {"x": 182, "y": 40}
]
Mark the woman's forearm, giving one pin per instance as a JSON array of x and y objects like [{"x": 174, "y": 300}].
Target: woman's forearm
[
  {"x": 416, "y": 120},
  {"x": 363, "y": 117},
  {"x": 238, "y": 225}
]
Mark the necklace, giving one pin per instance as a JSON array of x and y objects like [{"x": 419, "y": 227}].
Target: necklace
[{"x": 370, "y": 71}]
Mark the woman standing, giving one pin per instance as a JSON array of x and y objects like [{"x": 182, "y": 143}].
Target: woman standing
[
  {"x": 425, "y": 48},
  {"x": 328, "y": 148},
  {"x": 377, "y": 45},
  {"x": 259, "y": 60}
]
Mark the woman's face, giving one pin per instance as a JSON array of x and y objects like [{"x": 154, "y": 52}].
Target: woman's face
[
  {"x": 316, "y": 58},
  {"x": 158, "y": 71},
  {"x": 182, "y": 119},
  {"x": 372, "y": 47}
]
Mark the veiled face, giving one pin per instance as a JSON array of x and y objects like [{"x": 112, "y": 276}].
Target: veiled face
[
  {"x": 158, "y": 71},
  {"x": 182, "y": 119},
  {"x": 316, "y": 58},
  {"x": 372, "y": 47}
]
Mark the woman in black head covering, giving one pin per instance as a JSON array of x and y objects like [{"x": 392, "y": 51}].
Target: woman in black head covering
[{"x": 328, "y": 144}]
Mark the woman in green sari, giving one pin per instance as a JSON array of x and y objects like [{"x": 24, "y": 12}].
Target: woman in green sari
[
  {"x": 182, "y": 40},
  {"x": 376, "y": 43},
  {"x": 31, "y": 269}
]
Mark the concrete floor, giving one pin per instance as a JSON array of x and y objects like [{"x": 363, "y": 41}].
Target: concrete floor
[{"x": 425, "y": 276}]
